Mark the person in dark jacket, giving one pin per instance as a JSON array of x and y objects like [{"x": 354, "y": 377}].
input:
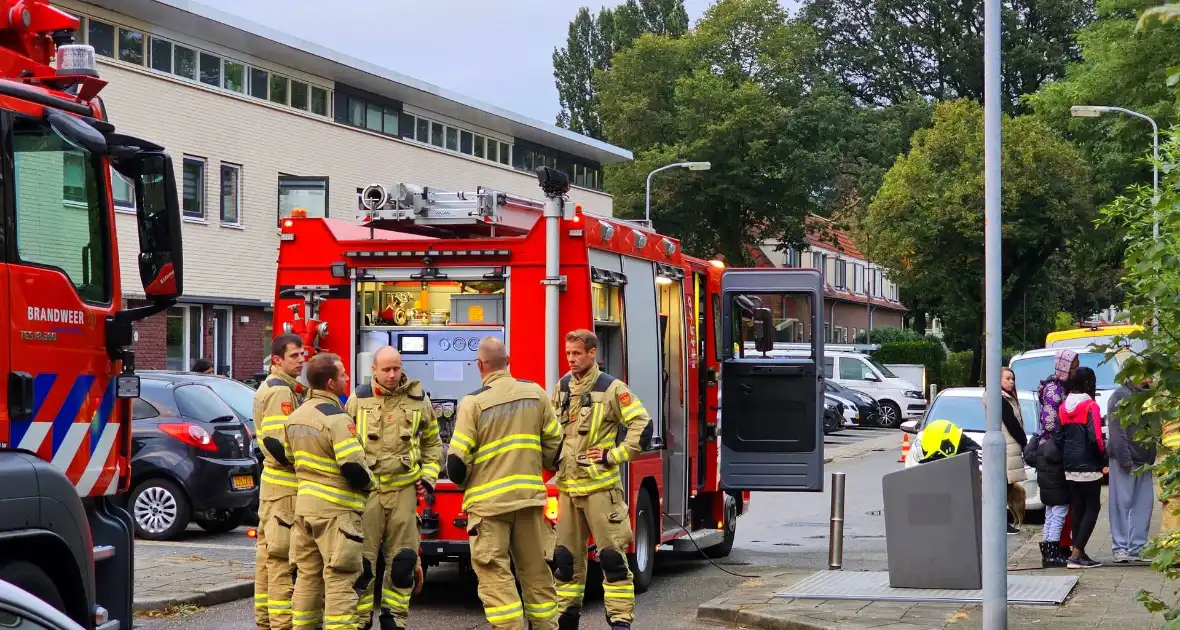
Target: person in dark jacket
[
  {"x": 1132, "y": 497},
  {"x": 1054, "y": 493},
  {"x": 1084, "y": 454}
]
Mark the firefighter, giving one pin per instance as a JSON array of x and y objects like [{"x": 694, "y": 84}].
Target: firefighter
[
  {"x": 942, "y": 439},
  {"x": 594, "y": 409},
  {"x": 505, "y": 433},
  {"x": 334, "y": 483},
  {"x": 277, "y": 398},
  {"x": 1170, "y": 441},
  {"x": 396, "y": 425}
]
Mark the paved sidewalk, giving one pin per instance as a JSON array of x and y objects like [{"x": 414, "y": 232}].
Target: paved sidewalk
[
  {"x": 182, "y": 577},
  {"x": 1104, "y": 598}
]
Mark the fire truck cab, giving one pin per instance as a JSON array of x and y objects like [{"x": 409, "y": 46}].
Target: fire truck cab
[
  {"x": 65, "y": 424},
  {"x": 432, "y": 272}
]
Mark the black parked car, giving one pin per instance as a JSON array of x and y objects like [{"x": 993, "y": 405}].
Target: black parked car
[
  {"x": 833, "y": 415},
  {"x": 192, "y": 458},
  {"x": 868, "y": 406}
]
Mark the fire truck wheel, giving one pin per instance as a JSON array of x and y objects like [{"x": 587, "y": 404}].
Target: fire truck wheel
[
  {"x": 159, "y": 508},
  {"x": 642, "y": 562},
  {"x": 31, "y": 578},
  {"x": 722, "y": 549}
]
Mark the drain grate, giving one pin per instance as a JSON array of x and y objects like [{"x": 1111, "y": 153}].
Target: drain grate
[{"x": 1022, "y": 589}]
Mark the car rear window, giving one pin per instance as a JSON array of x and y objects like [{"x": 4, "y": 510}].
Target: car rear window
[
  {"x": 1030, "y": 371},
  {"x": 201, "y": 403},
  {"x": 967, "y": 413}
]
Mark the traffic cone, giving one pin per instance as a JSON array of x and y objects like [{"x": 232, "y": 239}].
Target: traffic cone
[{"x": 905, "y": 447}]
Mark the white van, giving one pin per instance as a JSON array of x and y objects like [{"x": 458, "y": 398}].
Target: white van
[{"x": 900, "y": 399}]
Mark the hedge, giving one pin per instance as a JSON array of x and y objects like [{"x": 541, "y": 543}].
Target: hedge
[
  {"x": 957, "y": 370},
  {"x": 882, "y": 336},
  {"x": 927, "y": 352}
]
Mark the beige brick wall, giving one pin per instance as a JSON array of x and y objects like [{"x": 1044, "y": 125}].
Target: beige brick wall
[{"x": 239, "y": 262}]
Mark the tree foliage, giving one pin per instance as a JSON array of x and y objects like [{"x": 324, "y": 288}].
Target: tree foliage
[
  {"x": 928, "y": 214},
  {"x": 737, "y": 91},
  {"x": 591, "y": 42},
  {"x": 884, "y": 51}
]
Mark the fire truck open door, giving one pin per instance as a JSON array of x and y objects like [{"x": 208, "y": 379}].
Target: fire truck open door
[{"x": 771, "y": 421}]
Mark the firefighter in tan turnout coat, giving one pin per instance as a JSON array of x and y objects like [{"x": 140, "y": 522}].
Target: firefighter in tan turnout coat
[
  {"x": 275, "y": 400},
  {"x": 396, "y": 425},
  {"x": 334, "y": 484},
  {"x": 604, "y": 426},
  {"x": 505, "y": 434}
]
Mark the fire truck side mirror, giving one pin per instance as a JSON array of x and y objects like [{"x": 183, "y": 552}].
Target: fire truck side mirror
[
  {"x": 157, "y": 209},
  {"x": 763, "y": 330}
]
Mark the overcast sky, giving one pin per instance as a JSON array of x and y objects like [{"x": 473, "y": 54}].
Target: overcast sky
[{"x": 497, "y": 51}]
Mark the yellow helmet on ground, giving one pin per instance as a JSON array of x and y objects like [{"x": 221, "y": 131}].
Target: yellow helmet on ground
[{"x": 940, "y": 436}]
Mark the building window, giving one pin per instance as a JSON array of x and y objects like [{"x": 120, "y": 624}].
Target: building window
[
  {"x": 423, "y": 130},
  {"x": 356, "y": 112},
  {"x": 436, "y": 134},
  {"x": 466, "y": 140},
  {"x": 73, "y": 184},
  {"x": 406, "y": 124},
  {"x": 505, "y": 153},
  {"x": 161, "y": 52},
  {"x": 259, "y": 81},
  {"x": 391, "y": 117},
  {"x": 185, "y": 63},
  {"x": 101, "y": 36},
  {"x": 123, "y": 190},
  {"x": 184, "y": 337},
  {"x": 452, "y": 139},
  {"x": 235, "y": 77},
  {"x": 268, "y": 316},
  {"x": 231, "y": 194},
  {"x": 194, "y": 187},
  {"x": 210, "y": 70},
  {"x": 478, "y": 147},
  {"x": 299, "y": 95},
  {"x": 319, "y": 101},
  {"x": 131, "y": 46},
  {"x": 492, "y": 153},
  {"x": 373, "y": 117},
  {"x": 278, "y": 89},
  {"x": 309, "y": 193}
]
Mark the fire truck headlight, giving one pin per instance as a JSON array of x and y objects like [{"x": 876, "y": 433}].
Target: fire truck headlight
[
  {"x": 323, "y": 329},
  {"x": 286, "y": 327},
  {"x": 339, "y": 270}
]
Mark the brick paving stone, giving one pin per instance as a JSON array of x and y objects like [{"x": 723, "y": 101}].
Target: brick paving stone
[{"x": 162, "y": 581}]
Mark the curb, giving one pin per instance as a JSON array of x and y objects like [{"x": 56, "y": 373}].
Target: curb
[
  {"x": 892, "y": 440},
  {"x": 752, "y": 618},
  {"x": 220, "y": 594}
]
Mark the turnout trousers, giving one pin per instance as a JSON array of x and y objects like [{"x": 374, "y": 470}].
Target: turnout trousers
[
  {"x": 390, "y": 525},
  {"x": 499, "y": 542},
  {"x": 603, "y": 515},
  {"x": 272, "y": 566},
  {"x": 326, "y": 552}
]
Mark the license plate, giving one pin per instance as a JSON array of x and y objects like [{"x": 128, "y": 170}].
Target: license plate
[{"x": 243, "y": 482}]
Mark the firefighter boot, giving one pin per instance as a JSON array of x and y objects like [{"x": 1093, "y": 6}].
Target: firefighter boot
[{"x": 280, "y": 516}]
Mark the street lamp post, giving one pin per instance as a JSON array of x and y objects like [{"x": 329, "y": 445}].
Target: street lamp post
[
  {"x": 1094, "y": 111},
  {"x": 692, "y": 166}
]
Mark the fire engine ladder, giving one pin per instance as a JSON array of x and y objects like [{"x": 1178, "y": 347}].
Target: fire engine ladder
[{"x": 421, "y": 210}]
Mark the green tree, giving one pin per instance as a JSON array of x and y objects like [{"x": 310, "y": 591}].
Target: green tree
[
  {"x": 885, "y": 50},
  {"x": 592, "y": 41},
  {"x": 737, "y": 91},
  {"x": 928, "y": 214}
]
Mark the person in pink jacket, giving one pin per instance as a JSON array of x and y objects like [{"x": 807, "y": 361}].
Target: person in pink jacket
[{"x": 1083, "y": 452}]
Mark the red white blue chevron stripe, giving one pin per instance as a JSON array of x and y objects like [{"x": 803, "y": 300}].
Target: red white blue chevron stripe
[{"x": 72, "y": 428}]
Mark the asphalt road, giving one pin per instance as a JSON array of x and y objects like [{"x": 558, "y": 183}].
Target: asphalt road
[{"x": 781, "y": 530}]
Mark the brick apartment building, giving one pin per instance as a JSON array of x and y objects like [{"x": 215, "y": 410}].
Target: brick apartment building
[
  {"x": 259, "y": 122},
  {"x": 857, "y": 295}
]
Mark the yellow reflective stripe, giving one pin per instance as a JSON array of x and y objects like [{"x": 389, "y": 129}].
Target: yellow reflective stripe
[
  {"x": 366, "y": 603},
  {"x": 632, "y": 410},
  {"x": 279, "y": 606},
  {"x": 1172, "y": 441},
  {"x": 461, "y": 442},
  {"x": 339, "y": 621},
  {"x": 540, "y": 611},
  {"x": 346, "y": 447},
  {"x": 620, "y": 591},
  {"x": 344, "y": 498},
  {"x": 260, "y": 600},
  {"x": 431, "y": 430},
  {"x": 621, "y": 454},
  {"x": 596, "y": 421},
  {"x": 502, "y": 485},
  {"x": 272, "y": 424},
  {"x": 606, "y": 441},
  {"x": 395, "y": 600},
  {"x": 502, "y": 613},
  {"x": 571, "y": 591},
  {"x": 315, "y": 462},
  {"x": 594, "y": 483},
  {"x": 552, "y": 428},
  {"x": 306, "y": 617},
  {"x": 508, "y": 443},
  {"x": 416, "y": 416},
  {"x": 279, "y": 477},
  {"x": 362, "y": 426},
  {"x": 399, "y": 480},
  {"x": 431, "y": 467}
]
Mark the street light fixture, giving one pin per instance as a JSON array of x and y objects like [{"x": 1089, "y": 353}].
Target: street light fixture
[
  {"x": 692, "y": 166},
  {"x": 1094, "y": 111}
]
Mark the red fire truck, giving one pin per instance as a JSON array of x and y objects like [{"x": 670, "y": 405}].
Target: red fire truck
[
  {"x": 432, "y": 272},
  {"x": 65, "y": 428}
]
